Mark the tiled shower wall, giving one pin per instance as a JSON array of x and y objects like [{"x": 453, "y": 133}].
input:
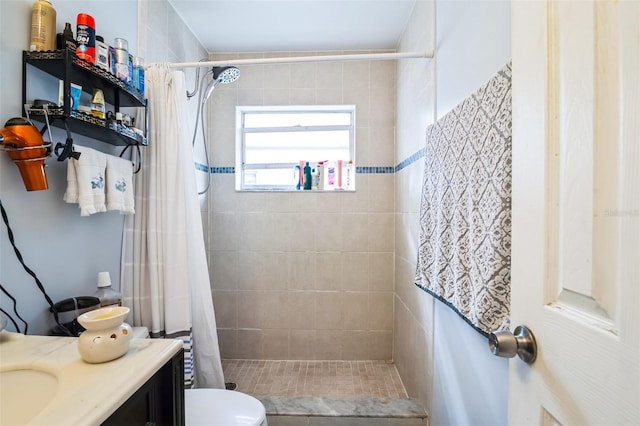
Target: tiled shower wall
[
  {"x": 305, "y": 275},
  {"x": 413, "y": 340},
  {"x": 164, "y": 37}
]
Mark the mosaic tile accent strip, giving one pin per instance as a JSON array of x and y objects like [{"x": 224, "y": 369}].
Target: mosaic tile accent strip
[
  {"x": 201, "y": 167},
  {"x": 410, "y": 160},
  {"x": 360, "y": 169},
  {"x": 347, "y": 379},
  {"x": 223, "y": 170},
  {"x": 374, "y": 169}
]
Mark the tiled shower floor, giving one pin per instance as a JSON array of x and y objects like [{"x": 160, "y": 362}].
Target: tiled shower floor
[{"x": 346, "y": 379}]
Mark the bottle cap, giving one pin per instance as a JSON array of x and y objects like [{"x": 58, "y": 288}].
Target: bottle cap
[
  {"x": 67, "y": 29},
  {"x": 104, "y": 279},
  {"x": 121, "y": 43}
]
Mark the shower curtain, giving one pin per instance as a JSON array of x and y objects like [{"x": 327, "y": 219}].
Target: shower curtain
[{"x": 164, "y": 273}]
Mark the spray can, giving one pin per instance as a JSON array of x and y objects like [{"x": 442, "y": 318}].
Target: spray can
[
  {"x": 43, "y": 26},
  {"x": 86, "y": 37},
  {"x": 122, "y": 59}
]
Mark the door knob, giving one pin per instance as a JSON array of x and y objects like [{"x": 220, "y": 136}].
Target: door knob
[{"x": 522, "y": 343}]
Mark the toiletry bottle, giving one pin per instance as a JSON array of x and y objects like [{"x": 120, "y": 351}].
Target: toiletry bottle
[
  {"x": 43, "y": 26},
  {"x": 339, "y": 173},
  {"x": 130, "y": 70},
  {"x": 297, "y": 176},
  {"x": 122, "y": 58},
  {"x": 349, "y": 176},
  {"x": 102, "y": 54},
  {"x": 307, "y": 176},
  {"x": 138, "y": 74},
  {"x": 107, "y": 295},
  {"x": 321, "y": 179},
  {"x": 97, "y": 104},
  {"x": 65, "y": 40},
  {"x": 331, "y": 176},
  {"x": 86, "y": 37}
]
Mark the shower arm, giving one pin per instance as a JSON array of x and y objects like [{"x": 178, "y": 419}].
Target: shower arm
[{"x": 197, "y": 82}]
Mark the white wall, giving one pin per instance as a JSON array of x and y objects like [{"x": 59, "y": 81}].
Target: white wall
[
  {"x": 442, "y": 360},
  {"x": 470, "y": 386}
]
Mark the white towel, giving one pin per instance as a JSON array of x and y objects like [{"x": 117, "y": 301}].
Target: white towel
[
  {"x": 119, "y": 187},
  {"x": 85, "y": 181},
  {"x": 71, "y": 194}
]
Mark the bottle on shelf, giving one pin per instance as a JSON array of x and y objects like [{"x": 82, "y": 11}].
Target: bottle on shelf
[
  {"x": 107, "y": 295},
  {"x": 65, "y": 40},
  {"x": 43, "y": 26},
  {"x": 307, "y": 176},
  {"x": 86, "y": 34}
]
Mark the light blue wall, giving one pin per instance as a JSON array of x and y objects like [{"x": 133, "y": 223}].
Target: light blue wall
[
  {"x": 470, "y": 386},
  {"x": 65, "y": 250},
  {"x": 442, "y": 360}
]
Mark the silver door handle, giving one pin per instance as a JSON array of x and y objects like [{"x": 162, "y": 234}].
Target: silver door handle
[{"x": 522, "y": 343}]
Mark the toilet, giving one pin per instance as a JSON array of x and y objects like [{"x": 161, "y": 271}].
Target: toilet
[
  {"x": 220, "y": 407},
  {"x": 217, "y": 407}
]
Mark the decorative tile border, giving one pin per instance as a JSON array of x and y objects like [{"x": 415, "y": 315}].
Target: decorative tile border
[
  {"x": 410, "y": 160},
  {"x": 359, "y": 169},
  {"x": 223, "y": 170},
  {"x": 201, "y": 167},
  {"x": 374, "y": 169}
]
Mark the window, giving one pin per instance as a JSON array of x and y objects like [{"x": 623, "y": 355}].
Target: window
[{"x": 273, "y": 143}]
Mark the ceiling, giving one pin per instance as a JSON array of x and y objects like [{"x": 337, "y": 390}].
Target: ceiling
[{"x": 295, "y": 25}]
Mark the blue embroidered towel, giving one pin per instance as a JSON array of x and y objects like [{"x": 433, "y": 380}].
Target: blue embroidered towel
[
  {"x": 120, "y": 185},
  {"x": 86, "y": 180}
]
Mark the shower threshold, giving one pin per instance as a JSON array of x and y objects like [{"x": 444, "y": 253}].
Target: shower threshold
[{"x": 321, "y": 392}]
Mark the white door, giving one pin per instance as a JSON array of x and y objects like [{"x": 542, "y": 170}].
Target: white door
[{"x": 576, "y": 211}]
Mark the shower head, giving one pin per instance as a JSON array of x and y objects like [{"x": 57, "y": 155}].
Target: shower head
[{"x": 225, "y": 75}]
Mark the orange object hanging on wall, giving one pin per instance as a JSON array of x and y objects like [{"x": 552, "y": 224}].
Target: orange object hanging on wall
[{"x": 25, "y": 146}]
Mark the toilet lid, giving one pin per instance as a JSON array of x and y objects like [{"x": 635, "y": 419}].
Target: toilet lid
[{"x": 219, "y": 407}]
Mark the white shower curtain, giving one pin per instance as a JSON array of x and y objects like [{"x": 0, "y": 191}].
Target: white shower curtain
[{"x": 164, "y": 273}]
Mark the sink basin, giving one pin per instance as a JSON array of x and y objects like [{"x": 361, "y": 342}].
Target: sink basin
[{"x": 24, "y": 393}]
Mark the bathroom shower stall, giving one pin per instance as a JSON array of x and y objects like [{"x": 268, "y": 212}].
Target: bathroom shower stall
[
  {"x": 313, "y": 291},
  {"x": 303, "y": 281}
]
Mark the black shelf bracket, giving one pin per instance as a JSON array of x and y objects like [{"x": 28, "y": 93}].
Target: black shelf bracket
[{"x": 67, "y": 147}]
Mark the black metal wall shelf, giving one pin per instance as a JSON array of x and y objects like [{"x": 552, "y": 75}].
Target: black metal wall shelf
[{"x": 66, "y": 66}]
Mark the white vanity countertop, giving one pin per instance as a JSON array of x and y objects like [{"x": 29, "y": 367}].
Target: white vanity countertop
[{"x": 86, "y": 394}]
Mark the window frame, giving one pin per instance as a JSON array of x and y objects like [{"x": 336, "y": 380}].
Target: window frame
[{"x": 242, "y": 131}]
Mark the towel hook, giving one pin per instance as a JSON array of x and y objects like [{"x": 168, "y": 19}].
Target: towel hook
[
  {"x": 139, "y": 156},
  {"x": 67, "y": 147}
]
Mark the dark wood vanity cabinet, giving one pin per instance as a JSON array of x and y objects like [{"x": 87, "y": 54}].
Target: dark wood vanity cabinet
[{"x": 160, "y": 401}]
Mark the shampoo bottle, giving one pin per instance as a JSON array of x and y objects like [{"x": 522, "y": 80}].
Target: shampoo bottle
[
  {"x": 331, "y": 176},
  {"x": 321, "y": 177},
  {"x": 307, "y": 176},
  {"x": 349, "y": 176}
]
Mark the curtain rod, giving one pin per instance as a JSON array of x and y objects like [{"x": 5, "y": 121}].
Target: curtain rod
[{"x": 295, "y": 59}]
